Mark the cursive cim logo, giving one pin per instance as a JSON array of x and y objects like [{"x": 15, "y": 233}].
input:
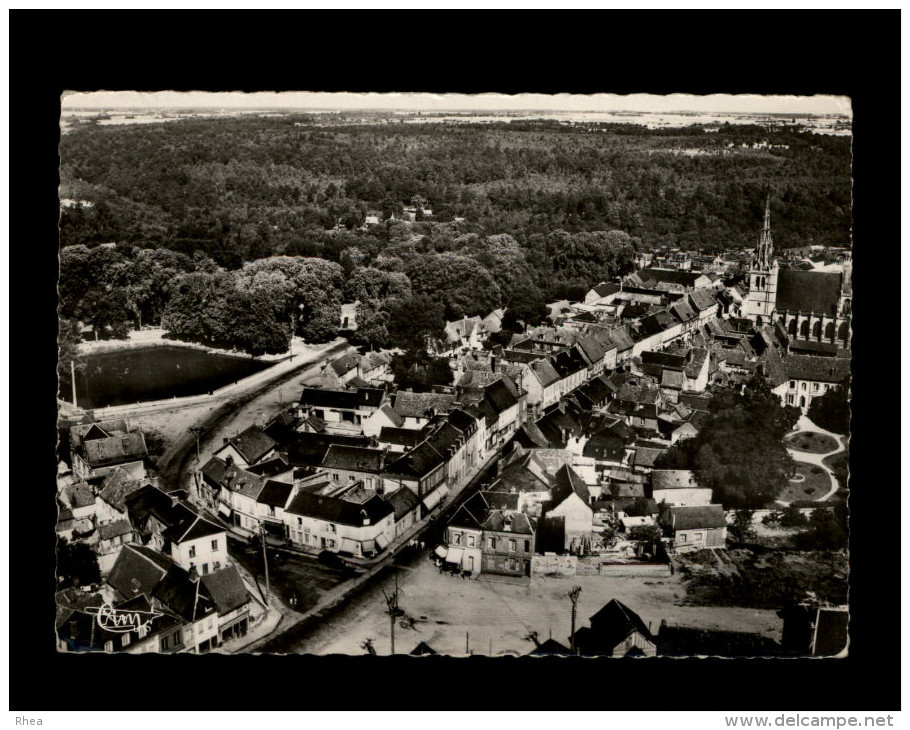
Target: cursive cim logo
[{"x": 121, "y": 621}]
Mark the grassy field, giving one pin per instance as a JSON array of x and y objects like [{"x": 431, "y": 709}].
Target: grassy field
[
  {"x": 764, "y": 578},
  {"x": 811, "y": 442},
  {"x": 815, "y": 484}
]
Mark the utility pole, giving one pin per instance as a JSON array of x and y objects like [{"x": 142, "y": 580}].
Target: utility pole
[
  {"x": 573, "y": 594},
  {"x": 196, "y": 431},
  {"x": 467, "y": 642},
  {"x": 391, "y": 600},
  {"x": 265, "y": 562},
  {"x": 73, "y": 380}
]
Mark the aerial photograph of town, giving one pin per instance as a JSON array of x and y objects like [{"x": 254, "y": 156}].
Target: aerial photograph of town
[{"x": 430, "y": 374}]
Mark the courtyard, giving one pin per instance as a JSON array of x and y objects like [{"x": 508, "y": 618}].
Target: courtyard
[{"x": 297, "y": 581}]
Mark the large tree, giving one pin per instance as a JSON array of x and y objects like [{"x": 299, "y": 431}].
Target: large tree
[
  {"x": 461, "y": 284},
  {"x": 832, "y": 410},
  {"x": 739, "y": 453}
]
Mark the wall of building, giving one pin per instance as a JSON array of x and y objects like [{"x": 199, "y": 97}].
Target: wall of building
[{"x": 202, "y": 553}]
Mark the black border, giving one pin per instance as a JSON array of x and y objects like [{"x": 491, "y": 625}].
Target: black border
[{"x": 850, "y": 53}]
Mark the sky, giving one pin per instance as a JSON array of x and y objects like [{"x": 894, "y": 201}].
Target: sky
[{"x": 743, "y": 103}]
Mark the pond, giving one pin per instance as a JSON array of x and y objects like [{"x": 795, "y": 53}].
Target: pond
[{"x": 152, "y": 373}]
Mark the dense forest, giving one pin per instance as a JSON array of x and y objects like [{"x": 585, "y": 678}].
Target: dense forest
[{"x": 517, "y": 214}]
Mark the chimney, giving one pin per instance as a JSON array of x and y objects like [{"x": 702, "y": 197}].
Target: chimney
[
  {"x": 366, "y": 517},
  {"x": 229, "y": 459}
]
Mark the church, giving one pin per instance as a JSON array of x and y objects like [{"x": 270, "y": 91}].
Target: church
[{"x": 813, "y": 307}]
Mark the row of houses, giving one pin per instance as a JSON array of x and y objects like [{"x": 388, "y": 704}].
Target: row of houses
[{"x": 354, "y": 491}]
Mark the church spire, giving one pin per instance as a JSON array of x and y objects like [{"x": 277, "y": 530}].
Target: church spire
[{"x": 765, "y": 249}]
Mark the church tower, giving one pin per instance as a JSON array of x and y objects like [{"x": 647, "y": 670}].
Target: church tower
[{"x": 761, "y": 299}]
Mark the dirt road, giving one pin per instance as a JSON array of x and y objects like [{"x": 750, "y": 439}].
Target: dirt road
[{"x": 230, "y": 414}]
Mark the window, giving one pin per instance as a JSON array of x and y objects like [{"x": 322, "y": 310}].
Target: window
[
  {"x": 178, "y": 638},
  {"x": 334, "y": 477},
  {"x": 792, "y": 384},
  {"x": 210, "y": 623},
  {"x": 205, "y": 568},
  {"x": 513, "y": 546},
  {"x": 330, "y": 543},
  {"x": 214, "y": 544},
  {"x": 681, "y": 537},
  {"x": 698, "y": 536},
  {"x": 216, "y": 565},
  {"x": 457, "y": 538},
  {"x": 470, "y": 541},
  {"x": 166, "y": 642},
  {"x": 192, "y": 551},
  {"x": 527, "y": 546},
  {"x": 790, "y": 399},
  {"x": 300, "y": 520},
  {"x": 330, "y": 527},
  {"x": 350, "y": 477},
  {"x": 492, "y": 543},
  {"x": 802, "y": 386},
  {"x": 814, "y": 387},
  {"x": 125, "y": 641},
  {"x": 369, "y": 482}
]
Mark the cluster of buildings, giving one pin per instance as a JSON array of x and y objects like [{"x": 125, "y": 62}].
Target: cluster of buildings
[
  {"x": 809, "y": 629},
  {"x": 614, "y": 381},
  {"x": 167, "y": 582},
  {"x": 351, "y": 470}
]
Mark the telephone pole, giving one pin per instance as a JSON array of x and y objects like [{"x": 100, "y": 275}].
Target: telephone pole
[
  {"x": 73, "y": 380},
  {"x": 196, "y": 431},
  {"x": 573, "y": 594},
  {"x": 391, "y": 600},
  {"x": 265, "y": 562}
]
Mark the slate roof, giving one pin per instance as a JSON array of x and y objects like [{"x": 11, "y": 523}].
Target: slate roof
[
  {"x": 78, "y": 495},
  {"x": 191, "y": 527},
  {"x": 333, "y": 509},
  {"x": 605, "y": 288},
  {"x": 422, "y": 649},
  {"x": 275, "y": 494},
  {"x": 702, "y": 299},
  {"x": 115, "y": 449},
  {"x": 664, "y": 359},
  {"x": 114, "y": 529},
  {"x": 181, "y": 594},
  {"x": 403, "y": 501},
  {"x": 463, "y": 421},
  {"x": 416, "y": 405},
  {"x": 808, "y": 291},
  {"x": 309, "y": 449},
  {"x": 502, "y": 500},
  {"x": 138, "y": 569},
  {"x": 416, "y": 463},
  {"x": 389, "y": 412},
  {"x": 407, "y": 437},
  {"x": 817, "y": 368},
  {"x": 567, "y": 483},
  {"x": 652, "y": 277},
  {"x": 646, "y": 456},
  {"x": 117, "y": 485},
  {"x": 151, "y": 501},
  {"x": 345, "y": 400},
  {"x": 252, "y": 443},
  {"x": 568, "y": 362},
  {"x": 614, "y": 622},
  {"x": 272, "y": 467},
  {"x": 693, "y": 518},
  {"x": 673, "y": 379},
  {"x": 544, "y": 371},
  {"x": 471, "y": 513},
  {"x": 673, "y": 479},
  {"x": 605, "y": 446},
  {"x": 227, "y": 590},
  {"x": 345, "y": 363},
  {"x": 354, "y": 458},
  {"x": 495, "y": 521},
  {"x": 500, "y": 396}
]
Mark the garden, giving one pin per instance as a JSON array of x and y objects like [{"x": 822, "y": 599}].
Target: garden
[
  {"x": 811, "y": 442},
  {"x": 810, "y": 482}
]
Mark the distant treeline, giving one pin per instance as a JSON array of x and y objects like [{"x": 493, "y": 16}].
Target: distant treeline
[{"x": 542, "y": 213}]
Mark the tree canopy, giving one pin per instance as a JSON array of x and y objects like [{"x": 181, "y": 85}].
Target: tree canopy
[
  {"x": 739, "y": 453},
  {"x": 832, "y": 410}
]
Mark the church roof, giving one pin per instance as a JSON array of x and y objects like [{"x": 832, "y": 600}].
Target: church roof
[{"x": 808, "y": 291}]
